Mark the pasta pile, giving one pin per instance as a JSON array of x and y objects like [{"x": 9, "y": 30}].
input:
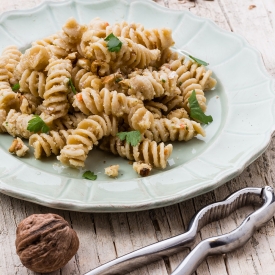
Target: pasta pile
[{"x": 87, "y": 92}]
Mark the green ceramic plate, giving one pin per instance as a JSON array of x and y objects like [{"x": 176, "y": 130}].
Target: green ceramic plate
[{"x": 242, "y": 106}]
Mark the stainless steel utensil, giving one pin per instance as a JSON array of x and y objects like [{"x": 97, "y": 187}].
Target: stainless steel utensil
[{"x": 215, "y": 245}]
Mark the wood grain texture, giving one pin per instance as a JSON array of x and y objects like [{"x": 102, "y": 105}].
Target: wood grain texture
[{"x": 104, "y": 237}]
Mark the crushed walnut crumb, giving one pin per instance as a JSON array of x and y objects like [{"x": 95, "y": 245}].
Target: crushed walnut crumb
[
  {"x": 112, "y": 171},
  {"x": 18, "y": 147},
  {"x": 143, "y": 169}
]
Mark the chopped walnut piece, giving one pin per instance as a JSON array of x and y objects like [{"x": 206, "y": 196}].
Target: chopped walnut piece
[
  {"x": 18, "y": 147},
  {"x": 112, "y": 171},
  {"x": 143, "y": 169}
]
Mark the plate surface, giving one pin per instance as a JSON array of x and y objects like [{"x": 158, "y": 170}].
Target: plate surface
[{"x": 242, "y": 106}]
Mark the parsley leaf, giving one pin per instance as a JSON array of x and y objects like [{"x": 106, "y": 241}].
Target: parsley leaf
[
  {"x": 201, "y": 62},
  {"x": 72, "y": 86},
  {"x": 196, "y": 111},
  {"x": 37, "y": 124},
  {"x": 163, "y": 80},
  {"x": 132, "y": 137},
  {"x": 114, "y": 44},
  {"x": 15, "y": 87},
  {"x": 118, "y": 79},
  {"x": 89, "y": 175}
]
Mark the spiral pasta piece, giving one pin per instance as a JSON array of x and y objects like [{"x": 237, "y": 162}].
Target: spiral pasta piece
[
  {"x": 48, "y": 144},
  {"x": 152, "y": 84},
  {"x": 90, "y": 101},
  {"x": 69, "y": 121},
  {"x": 172, "y": 102},
  {"x": 126, "y": 30},
  {"x": 66, "y": 41},
  {"x": 3, "y": 115},
  {"x": 84, "y": 79},
  {"x": 57, "y": 88},
  {"x": 156, "y": 108},
  {"x": 174, "y": 129},
  {"x": 146, "y": 151},
  {"x": 35, "y": 58},
  {"x": 16, "y": 124},
  {"x": 187, "y": 69},
  {"x": 188, "y": 83},
  {"x": 187, "y": 88},
  {"x": 82, "y": 139},
  {"x": 131, "y": 55},
  {"x": 139, "y": 118},
  {"x": 33, "y": 82},
  {"x": 83, "y": 63},
  {"x": 4, "y": 76},
  {"x": 160, "y": 38},
  {"x": 12, "y": 55},
  {"x": 179, "y": 113},
  {"x": 46, "y": 41},
  {"x": 98, "y": 27},
  {"x": 204, "y": 77},
  {"x": 8, "y": 98},
  {"x": 193, "y": 70},
  {"x": 181, "y": 65}
]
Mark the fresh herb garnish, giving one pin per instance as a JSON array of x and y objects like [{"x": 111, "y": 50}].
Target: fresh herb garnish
[
  {"x": 89, "y": 175},
  {"x": 196, "y": 111},
  {"x": 163, "y": 80},
  {"x": 72, "y": 86},
  {"x": 15, "y": 87},
  {"x": 37, "y": 124},
  {"x": 199, "y": 61},
  {"x": 133, "y": 137},
  {"x": 118, "y": 79},
  {"x": 114, "y": 44}
]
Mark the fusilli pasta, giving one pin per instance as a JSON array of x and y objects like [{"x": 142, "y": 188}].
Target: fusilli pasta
[
  {"x": 57, "y": 87},
  {"x": 174, "y": 129},
  {"x": 146, "y": 151},
  {"x": 48, "y": 144},
  {"x": 88, "y": 84},
  {"x": 87, "y": 134}
]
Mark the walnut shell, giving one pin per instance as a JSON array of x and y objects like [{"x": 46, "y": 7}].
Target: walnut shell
[{"x": 45, "y": 242}]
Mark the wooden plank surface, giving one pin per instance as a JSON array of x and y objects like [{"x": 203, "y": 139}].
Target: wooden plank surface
[{"x": 104, "y": 237}]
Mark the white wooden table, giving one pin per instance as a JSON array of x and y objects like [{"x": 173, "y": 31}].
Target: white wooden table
[{"x": 104, "y": 237}]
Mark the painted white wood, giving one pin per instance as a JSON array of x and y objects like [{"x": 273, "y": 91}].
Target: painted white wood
[{"x": 104, "y": 237}]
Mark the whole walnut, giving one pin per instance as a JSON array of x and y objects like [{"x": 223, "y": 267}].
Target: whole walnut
[{"x": 45, "y": 242}]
